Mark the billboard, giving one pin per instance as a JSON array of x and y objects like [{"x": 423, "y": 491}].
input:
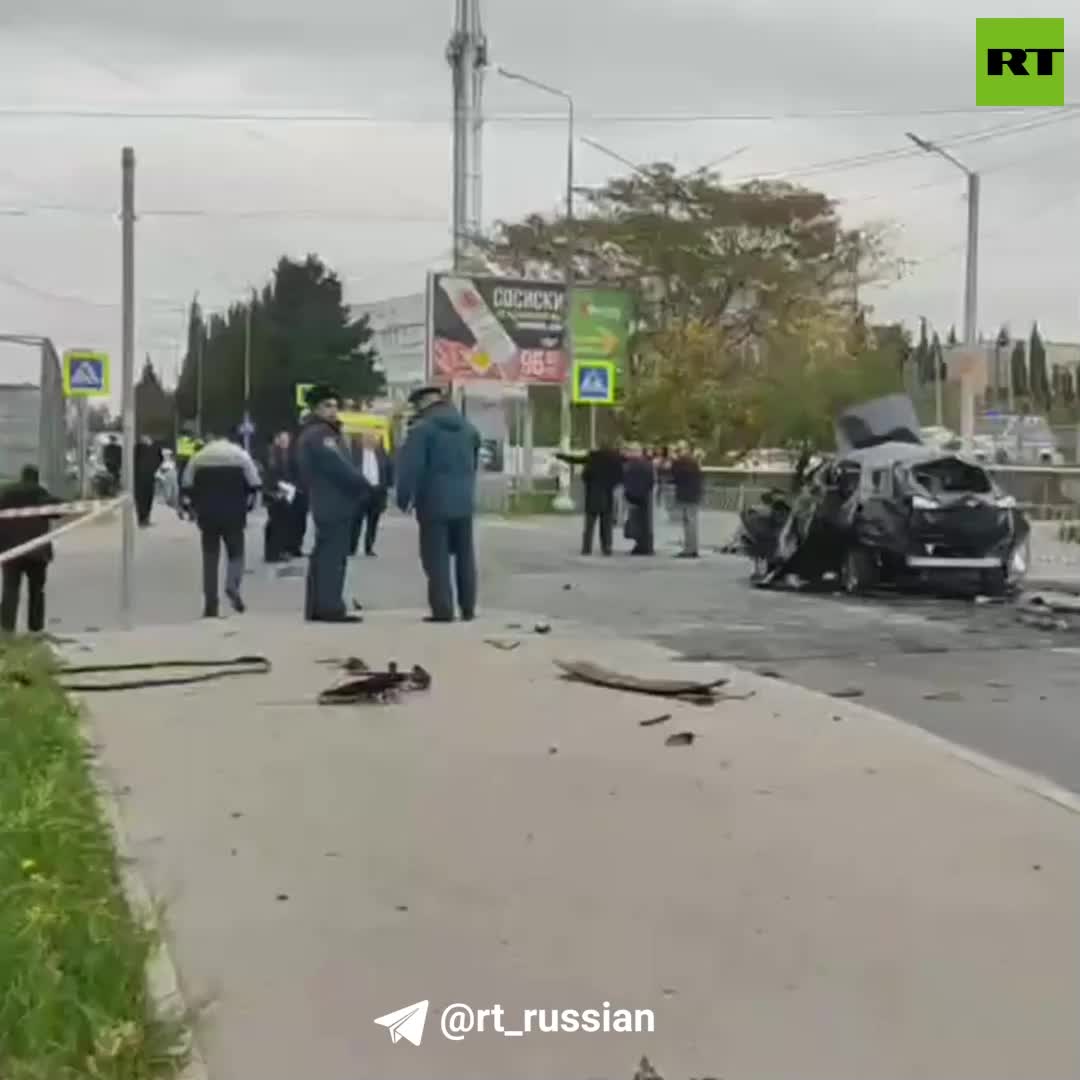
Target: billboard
[{"x": 488, "y": 329}]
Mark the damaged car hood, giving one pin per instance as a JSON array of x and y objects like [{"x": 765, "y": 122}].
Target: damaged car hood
[{"x": 889, "y": 419}]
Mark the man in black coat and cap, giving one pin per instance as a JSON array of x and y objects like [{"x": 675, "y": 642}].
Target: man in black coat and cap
[
  {"x": 336, "y": 492},
  {"x": 33, "y": 564}
]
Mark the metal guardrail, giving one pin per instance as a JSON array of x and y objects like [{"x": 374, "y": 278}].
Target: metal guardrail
[{"x": 1044, "y": 492}]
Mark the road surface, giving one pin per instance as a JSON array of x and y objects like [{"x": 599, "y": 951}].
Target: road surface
[{"x": 970, "y": 673}]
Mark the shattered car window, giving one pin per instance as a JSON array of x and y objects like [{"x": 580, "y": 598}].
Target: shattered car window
[{"x": 951, "y": 475}]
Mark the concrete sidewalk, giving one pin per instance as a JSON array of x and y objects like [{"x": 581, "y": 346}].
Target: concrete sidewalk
[{"x": 809, "y": 890}]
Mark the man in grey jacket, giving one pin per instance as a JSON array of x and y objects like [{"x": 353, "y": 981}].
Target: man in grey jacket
[{"x": 336, "y": 492}]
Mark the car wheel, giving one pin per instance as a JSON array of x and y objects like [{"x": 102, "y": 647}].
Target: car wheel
[
  {"x": 858, "y": 573},
  {"x": 993, "y": 582}
]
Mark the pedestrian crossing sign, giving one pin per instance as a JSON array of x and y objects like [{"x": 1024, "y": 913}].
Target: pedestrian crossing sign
[
  {"x": 86, "y": 374},
  {"x": 594, "y": 382}
]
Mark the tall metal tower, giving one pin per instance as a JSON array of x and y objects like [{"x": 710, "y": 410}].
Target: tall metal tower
[{"x": 467, "y": 56}]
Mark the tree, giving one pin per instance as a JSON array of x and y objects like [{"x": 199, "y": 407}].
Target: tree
[
  {"x": 1038, "y": 375},
  {"x": 300, "y": 332},
  {"x": 186, "y": 396},
  {"x": 951, "y": 341},
  {"x": 153, "y": 406},
  {"x": 736, "y": 258},
  {"x": 922, "y": 357},
  {"x": 938, "y": 370},
  {"x": 98, "y": 419},
  {"x": 1018, "y": 362}
]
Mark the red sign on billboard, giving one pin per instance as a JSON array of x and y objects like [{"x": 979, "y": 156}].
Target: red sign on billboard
[{"x": 488, "y": 329}]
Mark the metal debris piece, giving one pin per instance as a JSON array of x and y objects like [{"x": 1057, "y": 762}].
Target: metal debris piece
[
  {"x": 353, "y": 665},
  {"x": 216, "y": 669},
  {"x": 691, "y": 690},
  {"x": 502, "y": 644},
  {"x": 542, "y": 628},
  {"x": 681, "y": 738},
  {"x": 377, "y": 687},
  {"x": 656, "y": 720},
  {"x": 769, "y": 673},
  {"x": 848, "y": 692},
  {"x": 943, "y": 695}
]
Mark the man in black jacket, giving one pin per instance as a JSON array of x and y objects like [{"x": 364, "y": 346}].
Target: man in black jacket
[
  {"x": 221, "y": 483},
  {"x": 371, "y": 458},
  {"x": 147, "y": 463},
  {"x": 34, "y": 565},
  {"x": 279, "y": 494},
  {"x": 601, "y": 475},
  {"x": 688, "y": 482},
  {"x": 639, "y": 485}
]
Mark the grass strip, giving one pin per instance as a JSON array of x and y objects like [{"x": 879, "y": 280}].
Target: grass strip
[{"x": 73, "y": 994}]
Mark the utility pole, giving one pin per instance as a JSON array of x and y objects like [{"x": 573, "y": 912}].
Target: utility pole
[
  {"x": 247, "y": 374},
  {"x": 198, "y": 382},
  {"x": 466, "y": 53},
  {"x": 127, "y": 583}
]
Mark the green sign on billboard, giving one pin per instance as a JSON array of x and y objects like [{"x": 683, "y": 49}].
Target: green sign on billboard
[{"x": 601, "y": 322}]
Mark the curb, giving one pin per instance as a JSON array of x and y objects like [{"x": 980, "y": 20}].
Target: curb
[{"x": 162, "y": 978}]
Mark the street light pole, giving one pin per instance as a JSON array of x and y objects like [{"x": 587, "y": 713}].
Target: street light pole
[
  {"x": 563, "y": 500},
  {"x": 971, "y": 273}
]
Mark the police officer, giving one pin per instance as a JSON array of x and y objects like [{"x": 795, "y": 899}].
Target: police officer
[
  {"x": 335, "y": 491},
  {"x": 436, "y": 476}
]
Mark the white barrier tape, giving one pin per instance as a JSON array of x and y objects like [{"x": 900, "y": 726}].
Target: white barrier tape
[
  {"x": 69, "y": 509},
  {"x": 100, "y": 508}
]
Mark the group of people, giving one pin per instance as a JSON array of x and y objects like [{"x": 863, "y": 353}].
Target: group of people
[
  {"x": 637, "y": 473},
  {"x": 345, "y": 489}
]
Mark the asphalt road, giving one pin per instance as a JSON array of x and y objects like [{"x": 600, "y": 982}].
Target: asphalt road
[{"x": 971, "y": 673}]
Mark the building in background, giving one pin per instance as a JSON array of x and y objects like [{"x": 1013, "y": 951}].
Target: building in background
[{"x": 399, "y": 327}]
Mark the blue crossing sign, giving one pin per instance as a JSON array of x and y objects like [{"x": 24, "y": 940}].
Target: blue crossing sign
[
  {"x": 86, "y": 374},
  {"x": 594, "y": 382}
]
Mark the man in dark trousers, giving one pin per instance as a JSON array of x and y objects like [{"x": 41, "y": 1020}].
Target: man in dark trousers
[
  {"x": 639, "y": 485},
  {"x": 220, "y": 484},
  {"x": 112, "y": 457},
  {"x": 336, "y": 493},
  {"x": 279, "y": 494},
  {"x": 374, "y": 464},
  {"x": 147, "y": 463},
  {"x": 436, "y": 477},
  {"x": 601, "y": 475},
  {"x": 687, "y": 481},
  {"x": 34, "y": 565}
]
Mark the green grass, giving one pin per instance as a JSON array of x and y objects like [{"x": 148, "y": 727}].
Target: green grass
[
  {"x": 73, "y": 998},
  {"x": 525, "y": 503}
]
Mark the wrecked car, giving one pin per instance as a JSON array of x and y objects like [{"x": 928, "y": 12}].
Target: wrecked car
[{"x": 887, "y": 509}]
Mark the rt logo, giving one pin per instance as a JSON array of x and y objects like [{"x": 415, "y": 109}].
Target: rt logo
[{"x": 1019, "y": 62}]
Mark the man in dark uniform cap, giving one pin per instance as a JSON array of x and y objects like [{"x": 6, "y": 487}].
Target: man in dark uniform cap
[
  {"x": 336, "y": 492},
  {"x": 436, "y": 476}
]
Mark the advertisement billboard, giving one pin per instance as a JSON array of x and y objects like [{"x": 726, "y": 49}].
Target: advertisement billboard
[{"x": 487, "y": 329}]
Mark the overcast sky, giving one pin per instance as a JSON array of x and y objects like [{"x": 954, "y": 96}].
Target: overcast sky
[{"x": 219, "y": 201}]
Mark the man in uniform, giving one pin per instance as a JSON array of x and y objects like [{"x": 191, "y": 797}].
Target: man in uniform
[
  {"x": 436, "y": 476},
  {"x": 336, "y": 492}
]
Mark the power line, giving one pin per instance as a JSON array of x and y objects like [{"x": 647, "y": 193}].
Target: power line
[
  {"x": 239, "y": 215},
  {"x": 346, "y": 117},
  {"x": 966, "y": 138}
]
